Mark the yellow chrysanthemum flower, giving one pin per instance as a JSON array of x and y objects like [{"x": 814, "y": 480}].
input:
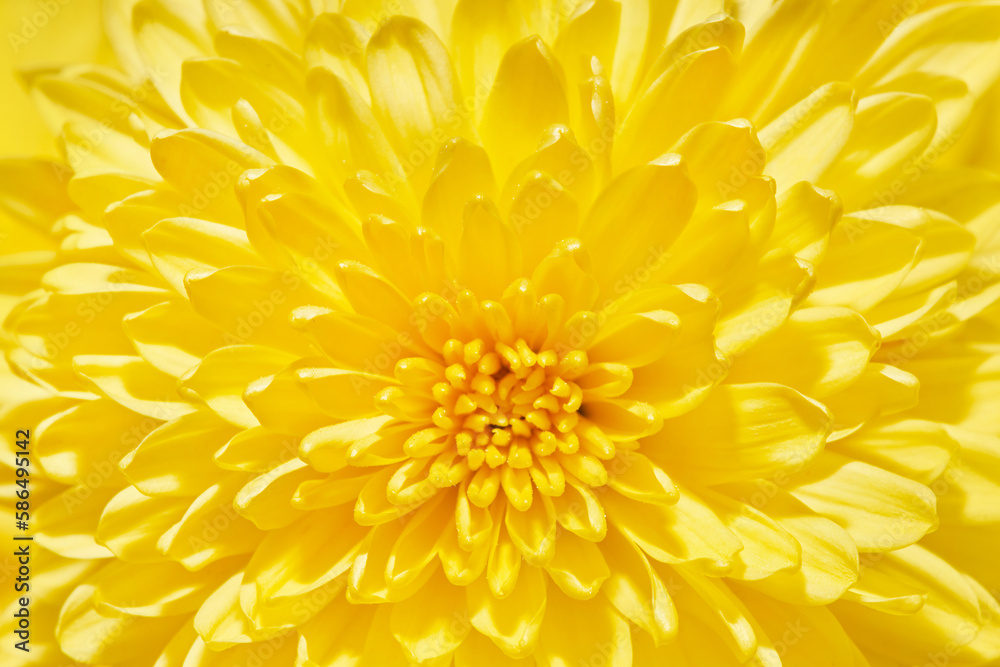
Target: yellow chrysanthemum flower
[{"x": 507, "y": 332}]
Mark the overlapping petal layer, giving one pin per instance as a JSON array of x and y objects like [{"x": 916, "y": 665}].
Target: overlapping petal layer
[{"x": 510, "y": 332}]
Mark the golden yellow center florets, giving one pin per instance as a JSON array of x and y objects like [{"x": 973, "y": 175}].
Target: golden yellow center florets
[
  {"x": 509, "y": 404},
  {"x": 502, "y": 414}
]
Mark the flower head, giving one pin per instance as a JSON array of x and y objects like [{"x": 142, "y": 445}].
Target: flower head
[{"x": 501, "y": 332}]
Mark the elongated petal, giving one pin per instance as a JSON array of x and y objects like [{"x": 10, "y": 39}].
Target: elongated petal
[
  {"x": 743, "y": 431},
  {"x": 567, "y": 638},
  {"x": 513, "y": 623}
]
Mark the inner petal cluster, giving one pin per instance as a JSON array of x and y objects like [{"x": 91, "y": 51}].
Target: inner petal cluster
[{"x": 502, "y": 413}]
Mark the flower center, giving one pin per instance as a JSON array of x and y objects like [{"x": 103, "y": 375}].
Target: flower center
[
  {"x": 501, "y": 414},
  {"x": 509, "y": 404}
]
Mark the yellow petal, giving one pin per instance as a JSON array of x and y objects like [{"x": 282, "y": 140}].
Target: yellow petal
[
  {"x": 87, "y": 635},
  {"x": 256, "y": 450},
  {"x": 685, "y": 532},
  {"x": 721, "y": 158},
  {"x": 889, "y": 130},
  {"x": 66, "y": 523},
  {"x": 323, "y": 235},
  {"x": 774, "y": 46},
  {"x": 952, "y": 612},
  {"x": 528, "y": 95},
  {"x": 460, "y": 566},
  {"x": 352, "y": 341},
  {"x": 482, "y": 34},
  {"x": 416, "y": 547},
  {"x": 223, "y": 375},
  {"x": 947, "y": 246},
  {"x": 174, "y": 459},
  {"x": 635, "y": 476},
  {"x": 176, "y": 650},
  {"x": 818, "y": 351},
  {"x": 590, "y": 33},
  {"x": 489, "y": 255},
  {"x": 134, "y": 384},
  {"x": 478, "y": 651},
  {"x": 743, "y": 432},
  {"x": 656, "y": 121},
  {"x": 767, "y": 547},
  {"x": 533, "y": 530},
  {"x": 504, "y": 565},
  {"x": 373, "y": 507},
  {"x": 691, "y": 367},
  {"x": 253, "y": 304},
  {"x": 348, "y": 128},
  {"x": 882, "y": 590},
  {"x": 331, "y": 490},
  {"x": 879, "y": 510},
  {"x": 713, "y": 602},
  {"x": 366, "y": 582},
  {"x": 266, "y": 500},
  {"x": 81, "y": 109},
  {"x": 281, "y": 648},
  {"x": 560, "y": 155},
  {"x": 189, "y": 542},
  {"x": 127, "y": 219},
  {"x": 220, "y": 622},
  {"x": 803, "y": 636},
  {"x": 564, "y": 271},
  {"x": 803, "y": 142},
  {"x": 39, "y": 191},
  {"x": 71, "y": 453},
  {"x": 576, "y": 631},
  {"x": 658, "y": 199},
  {"x": 636, "y": 589},
  {"x": 752, "y": 307},
  {"x": 948, "y": 392},
  {"x": 180, "y": 244},
  {"x": 164, "y": 36},
  {"x": 514, "y": 622},
  {"x": 709, "y": 248},
  {"x": 327, "y": 449},
  {"x": 698, "y": 645},
  {"x": 578, "y": 567},
  {"x": 425, "y": 623},
  {"x": 957, "y": 40},
  {"x": 132, "y": 524},
  {"x": 462, "y": 173},
  {"x": 370, "y": 294},
  {"x": 880, "y": 390},
  {"x": 634, "y": 339},
  {"x": 579, "y": 511},
  {"x": 338, "y": 44},
  {"x": 914, "y": 448},
  {"x": 381, "y": 648},
  {"x": 172, "y": 337},
  {"x": 829, "y": 555},
  {"x": 337, "y": 632},
  {"x": 203, "y": 166},
  {"x": 409, "y": 261},
  {"x": 899, "y": 319},
  {"x": 414, "y": 91},
  {"x": 81, "y": 311},
  {"x": 156, "y": 589},
  {"x": 974, "y": 482},
  {"x": 805, "y": 217},
  {"x": 280, "y": 402},
  {"x": 278, "y": 578},
  {"x": 278, "y": 22},
  {"x": 890, "y": 253}
]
